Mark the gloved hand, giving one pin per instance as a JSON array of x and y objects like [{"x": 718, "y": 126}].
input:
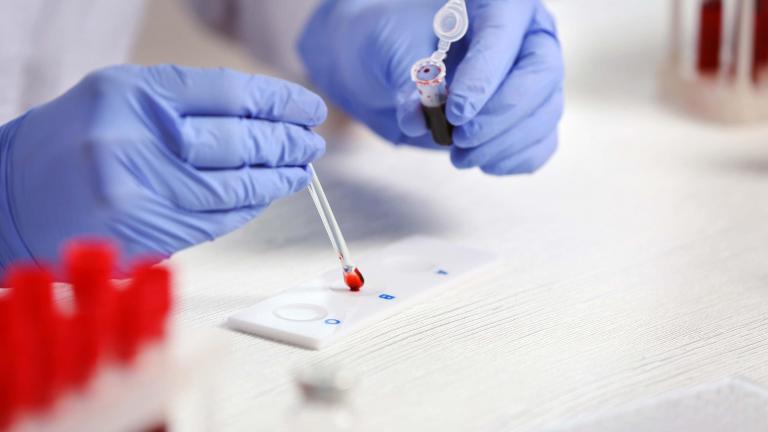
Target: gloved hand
[
  {"x": 505, "y": 76},
  {"x": 157, "y": 158}
]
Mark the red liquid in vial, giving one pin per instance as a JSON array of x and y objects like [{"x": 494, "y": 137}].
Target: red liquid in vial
[
  {"x": 760, "y": 61},
  {"x": 438, "y": 124},
  {"x": 710, "y": 34},
  {"x": 354, "y": 279},
  {"x": 33, "y": 291}
]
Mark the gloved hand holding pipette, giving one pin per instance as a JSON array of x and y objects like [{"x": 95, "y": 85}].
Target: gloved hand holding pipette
[
  {"x": 165, "y": 157},
  {"x": 157, "y": 158},
  {"x": 505, "y": 76}
]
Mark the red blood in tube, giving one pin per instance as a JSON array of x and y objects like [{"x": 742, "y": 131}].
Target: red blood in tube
[
  {"x": 66, "y": 352},
  {"x": 89, "y": 266},
  {"x": 33, "y": 288},
  {"x": 160, "y": 278},
  {"x": 142, "y": 309},
  {"x": 8, "y": 404},
  {"x": 710, "y": 33},
  {"x": 127, "y": 324},
  {"x": 85, "y": 350},
  {"x": 760, "y": 40},
  {"x": 354, "y": 279},
  {"x": 15, "y": 335},
  {"x": 158, "y": 298},
  {"x": 154, "y": 285}
]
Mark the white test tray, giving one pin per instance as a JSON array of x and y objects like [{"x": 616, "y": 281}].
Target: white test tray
[{"x": 322, "y": 311}]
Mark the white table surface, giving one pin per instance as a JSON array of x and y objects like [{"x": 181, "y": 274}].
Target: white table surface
[{"x": 635, "y": 262}]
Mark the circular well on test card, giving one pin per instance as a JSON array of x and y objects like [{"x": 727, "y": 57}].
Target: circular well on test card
[{"x": 301, "y": 312}]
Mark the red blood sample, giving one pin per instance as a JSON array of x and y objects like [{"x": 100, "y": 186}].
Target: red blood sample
[
  {"x": 354, "y": 279},
  {"x": 154, "y": 286},
  {"x": 142, "y": 309},
  {"x": 760, "y": 61},
  {"x": 66, "y": 352},
  {"x": 710, "y": 34},
  {"x": 127, "y": 324},
  {"x": 89, "y": 266},
  {"x": 33, "y": 288},
  {"x": 8, "y": 403},
  {"x": 15, "y": 335},
  {"x": 442, "y": 131},
  {"x": 86, "y": 350}
]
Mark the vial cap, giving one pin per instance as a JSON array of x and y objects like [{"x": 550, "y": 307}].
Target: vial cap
[{"x": 451, "y": 21}]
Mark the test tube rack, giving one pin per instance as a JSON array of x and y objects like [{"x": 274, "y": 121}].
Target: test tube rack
[
  {"x": 92, "y": 354},
  {"x": 717, "y": 64}
]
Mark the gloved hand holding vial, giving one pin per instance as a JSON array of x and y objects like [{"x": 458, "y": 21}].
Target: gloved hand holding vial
[
  {"x": 450, "y": 25},
  {"x": 501, "y": 83}
]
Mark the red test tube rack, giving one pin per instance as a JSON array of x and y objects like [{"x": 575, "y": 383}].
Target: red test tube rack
[{"x": 73, "y": 357}]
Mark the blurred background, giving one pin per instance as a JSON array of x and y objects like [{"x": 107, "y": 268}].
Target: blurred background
[{"x": 172, "y": 34}]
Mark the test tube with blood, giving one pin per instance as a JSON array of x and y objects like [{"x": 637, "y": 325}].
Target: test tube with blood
[
  {"x": 429, "y": 76},
  {"x": 760, "y": 60},
  {"x": 450, "y": 24},
  {"x": 710, "y": 36}
]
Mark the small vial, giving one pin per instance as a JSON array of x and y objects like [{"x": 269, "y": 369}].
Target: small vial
[
  {"x": 710, "y": 36},
  {"x": 324, "y": 406},
  {"x": 429, "y": 76}
]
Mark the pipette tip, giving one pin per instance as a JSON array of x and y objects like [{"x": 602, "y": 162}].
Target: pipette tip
[{"x": 354, "y": 279}]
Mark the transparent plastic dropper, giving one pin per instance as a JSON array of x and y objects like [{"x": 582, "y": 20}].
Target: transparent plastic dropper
[{"x": 352, "y": 276}]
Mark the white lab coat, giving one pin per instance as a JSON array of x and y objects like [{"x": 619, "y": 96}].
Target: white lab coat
[{"x": 46, "y": 46}]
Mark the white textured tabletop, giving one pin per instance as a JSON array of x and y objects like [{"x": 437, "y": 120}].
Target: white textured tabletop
[{"x": 635, "y": 262}]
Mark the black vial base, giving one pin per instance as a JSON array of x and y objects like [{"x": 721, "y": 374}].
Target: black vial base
[{"x": 437, "y": 123}]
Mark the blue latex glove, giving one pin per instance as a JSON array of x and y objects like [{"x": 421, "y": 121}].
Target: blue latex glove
[
  {"x": 505, "y": 77},
  {"x": 157, "y": 158}
]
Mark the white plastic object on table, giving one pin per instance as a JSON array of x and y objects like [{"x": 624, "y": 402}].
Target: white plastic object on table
[{"x": 322, "y": 311}]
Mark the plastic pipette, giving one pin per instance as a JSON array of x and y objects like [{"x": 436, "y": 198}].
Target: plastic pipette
[{"x": 352, "y": 276}]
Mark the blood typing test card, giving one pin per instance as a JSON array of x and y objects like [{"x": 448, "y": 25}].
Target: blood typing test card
[{"x": 321, "y": 311}]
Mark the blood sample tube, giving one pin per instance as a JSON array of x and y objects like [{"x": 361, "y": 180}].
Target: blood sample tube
[
  {"x": 89, "y": 266},
  {"x": 710, "y": 35},
  {"x": 429, "y": 76},
  {"x": 760, "y": 60},
  {"x": 66, "y": 350},
  {"x": 128, "y": 323},
  {"x": 153, "y": 283},
  {"x": 9, "y": 403},
  {"x": 21, "y": 385},
  {"x": 33, "y": 290}
]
